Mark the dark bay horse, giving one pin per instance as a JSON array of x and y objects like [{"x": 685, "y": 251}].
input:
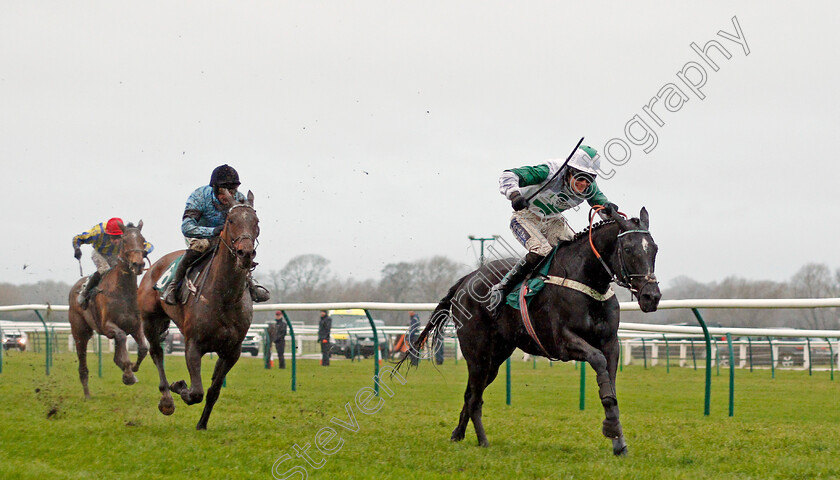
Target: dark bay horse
[
  {"x": 113, "y": 312},
  {"x": 569, "y": 324},
  {"x": 215, "y": 321}
]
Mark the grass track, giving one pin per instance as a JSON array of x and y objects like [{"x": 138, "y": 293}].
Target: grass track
[{"x": 785, "y": 427}]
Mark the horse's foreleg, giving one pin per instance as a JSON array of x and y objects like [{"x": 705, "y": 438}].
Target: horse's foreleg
[
  {"x": 195, "y": 392},
  {"x": 223, "y": 366},
  {"x": 612, "y": 425},
  {"x": 142, "y": 348},
  {"x": 120, "y": 352},
  {"x": 579, "y": 349}
]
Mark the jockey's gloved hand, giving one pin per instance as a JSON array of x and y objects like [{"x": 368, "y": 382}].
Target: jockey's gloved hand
[
  {"x": 218, "y": 230},
  {"x": 610, "y": 208},
  {"x": 77, "y": 252},
  {"x": 518, "y": 202}
]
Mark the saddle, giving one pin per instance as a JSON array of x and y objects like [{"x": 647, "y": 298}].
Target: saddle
[{"x": 194, "y": 278}]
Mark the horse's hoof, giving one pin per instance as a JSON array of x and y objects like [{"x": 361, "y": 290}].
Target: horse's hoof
[
  {"x": 201, "y": 426},
  {"x": 619, "y": 447},
  {"x": 457, "y": 436},
  {"x": 135, "y": 368},
  {"x": 483, "y": 443},
  {"x": 178, "y": 386},
  {"x": 129, "y": 379},
  {"x": 166, "y": 406}
]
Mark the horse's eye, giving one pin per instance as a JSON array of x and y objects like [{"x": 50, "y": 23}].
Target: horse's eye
[{"x": 628, "y": 250}]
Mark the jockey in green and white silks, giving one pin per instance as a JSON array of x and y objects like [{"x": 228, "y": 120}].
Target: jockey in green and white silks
[{"x": 538, "y": 222}]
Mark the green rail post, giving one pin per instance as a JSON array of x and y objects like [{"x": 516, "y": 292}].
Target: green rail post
[
  {"x": 376, "y": 352},
  {"x": 772, "y": 360},
  {"x": 294, "y": 350},
  {"x": 535, "y": 361},
  {"x": 644, "y": 352},
  {"x": 830, "y": 358},
  {"x": 731, "y": 376},
  {"x": 47, "y": 341},
  {"x": 99, "y": 352},
  {"x": 507, "y": 382},
  {"x": 2, "y": 347},
  {"x": 457, "y": 347},
  {"x": 693, "y": 353},
  {"x": 620, "y": 357},
  {"x": 708, "y": 396},
  {"x": 667, "y": 355},
  {"x": 582, "y": 404},
  {"x": 810, "y": 373},
  {"x": 749, "y": 346},
  {"x": 266, "y": 349}
]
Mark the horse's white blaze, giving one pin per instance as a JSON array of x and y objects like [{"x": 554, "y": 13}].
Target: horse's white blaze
[{"x": 646, "y": 245}]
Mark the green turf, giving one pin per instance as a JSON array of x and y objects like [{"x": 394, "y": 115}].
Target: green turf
[{"x": 785, "y": 427}]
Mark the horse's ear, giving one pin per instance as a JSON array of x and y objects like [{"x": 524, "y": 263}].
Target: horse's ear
[
  {"x": 140, "y": 225},
  {"x": 250, "y": 198},
  {"x": 122, "y": 227},
  {"x": 644, "y": 218}
]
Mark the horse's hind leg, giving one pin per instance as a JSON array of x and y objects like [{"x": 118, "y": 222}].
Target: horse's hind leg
[
  {"x": 142, "y": 347},
  {"x": 223, "y": 366},
  {"x": 460, "y": 431},
  {"x": 81, "y": 335},
  {"x": 195, "y": 392}
]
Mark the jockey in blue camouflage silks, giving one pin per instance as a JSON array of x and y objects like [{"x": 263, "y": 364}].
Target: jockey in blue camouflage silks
[
  {"x": 538, "y": 222},
  {"x": 105, "y": 239},
  {"x": 203, "y": 220}
]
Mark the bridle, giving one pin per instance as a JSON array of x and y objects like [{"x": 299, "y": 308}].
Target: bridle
[
  {"x": 124, "y": 251},
  {"x": 244, "y": 236},
  {"x": 624, "y": 277}
]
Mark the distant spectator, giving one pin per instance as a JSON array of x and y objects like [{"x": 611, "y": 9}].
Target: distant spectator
[
  {"x": 324, "y": 327},
  {"x": 413, "y": 333},
  {"x": 277, "y": 336},
  {"x": 438, "y": 347}
]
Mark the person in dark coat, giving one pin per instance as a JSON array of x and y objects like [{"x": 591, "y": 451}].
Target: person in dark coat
[
  {"x": 413, "y": 333},
  {"x": 277, "y": 336},
  {"x": 324, "y": 327}
]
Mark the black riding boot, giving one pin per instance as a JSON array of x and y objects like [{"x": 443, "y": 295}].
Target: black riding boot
[
  {"x": 170, "y": 293},
  {"x": 500, "y": 291},
  {"x": 258, "y": 292},
  {"x": 84, "y": 296}
]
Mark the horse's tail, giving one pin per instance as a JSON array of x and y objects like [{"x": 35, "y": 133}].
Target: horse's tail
[{"x": 436, "y": 322}]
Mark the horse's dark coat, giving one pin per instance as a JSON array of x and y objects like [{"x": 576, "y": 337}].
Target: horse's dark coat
[{"x": 569, "y": 324}]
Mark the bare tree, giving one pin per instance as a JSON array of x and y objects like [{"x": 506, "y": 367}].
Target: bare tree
[
  {"x": 398, "y": 281},
  {"x": 814, "y": 280},
  {"x": 435, "y": 275},
  {"x": 304, "y": 276}
]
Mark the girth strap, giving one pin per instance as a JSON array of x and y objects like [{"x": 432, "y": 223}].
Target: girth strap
[
  {"x": 580, "y": 287},
  {"x": 526, "y": 319}
]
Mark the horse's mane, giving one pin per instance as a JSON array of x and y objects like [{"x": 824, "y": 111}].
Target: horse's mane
[{"x": 598, "y": 225}]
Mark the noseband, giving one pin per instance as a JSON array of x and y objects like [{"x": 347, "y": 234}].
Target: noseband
[{"x": 624, "y": 278}]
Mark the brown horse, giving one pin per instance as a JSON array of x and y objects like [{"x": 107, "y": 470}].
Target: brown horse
[
  {"x": 113, "y": 313},
  {"x": 214, "y": 321}
]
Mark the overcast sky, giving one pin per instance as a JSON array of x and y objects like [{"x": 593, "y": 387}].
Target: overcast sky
[{"x": 375, "y": 132}]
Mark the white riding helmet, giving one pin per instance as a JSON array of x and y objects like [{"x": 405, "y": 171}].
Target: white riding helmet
[{"x": 587, "y": 160}]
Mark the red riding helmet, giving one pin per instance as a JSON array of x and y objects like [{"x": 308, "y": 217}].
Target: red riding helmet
[{"x": 113, "y": 226}]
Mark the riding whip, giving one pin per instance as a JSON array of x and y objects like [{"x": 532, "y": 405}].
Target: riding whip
[
  {"x": 81, "y": 272},
  {"x": 556, "y": 173}
]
